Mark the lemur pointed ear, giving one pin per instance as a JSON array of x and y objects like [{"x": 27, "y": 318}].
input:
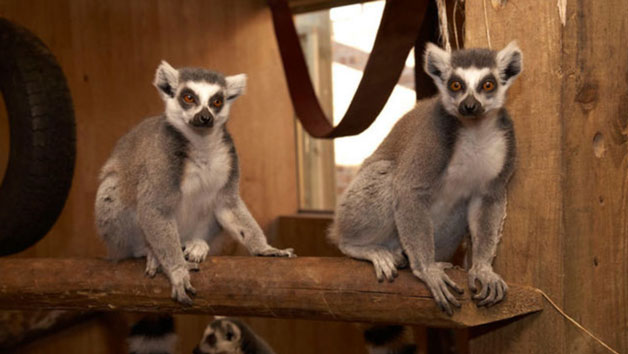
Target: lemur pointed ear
[
  {"x": 436, "y": 61},
  {"x": 166, "y": 80},
  {"x": 236, "y": 86},
  {"x": 509, "y": 62}
]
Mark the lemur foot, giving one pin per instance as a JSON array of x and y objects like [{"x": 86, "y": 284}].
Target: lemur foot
[
  {"x": 438, "y": 282},
  {"x": 152, "y": 265},
  {"x": 195, "y": 250},
  {"x": 180, "y": 280},
  {"x": 275, "y": 252},
  {"x": 385, "y": 263},
  {"x": 493, "y": 287}
]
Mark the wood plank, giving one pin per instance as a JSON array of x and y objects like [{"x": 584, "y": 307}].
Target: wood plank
[
  {"x": 336, "y": 288},
  {"x": 301, "y": 6},
  {"x": 531, "y": 250},
  {"x": 594, "y": 97},
  {"x": 567, "y": 222}
]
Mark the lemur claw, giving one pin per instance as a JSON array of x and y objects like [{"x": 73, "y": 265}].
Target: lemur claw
[
  {"x": 493, "y": 287},
  {"x": 438, "y": 282},
  {"x": 180, "y": 280}
]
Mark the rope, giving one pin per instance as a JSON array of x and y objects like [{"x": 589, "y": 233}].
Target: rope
[
  {"x": 456, "y": 4},
  {"x": 575, "y": 323},
  {"x": 442, "y": 24},
  {"x": 488, "y": 32}
]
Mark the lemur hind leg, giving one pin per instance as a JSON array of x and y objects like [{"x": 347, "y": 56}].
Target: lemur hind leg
[{"x": 116, "y": 223}]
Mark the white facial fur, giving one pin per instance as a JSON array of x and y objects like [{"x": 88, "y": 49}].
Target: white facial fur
[
  {"x": 508, "y": 66},
  {"x": 167, "y": 81},
  {"x": 222, "y": 345}
]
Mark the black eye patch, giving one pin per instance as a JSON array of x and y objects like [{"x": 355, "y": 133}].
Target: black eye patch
[
  {"x": 186, "y": 92},
  {"x": 486, "y": 79},
  {"x": 453, "y": 79},
  {"x": 217, "y": 101}
]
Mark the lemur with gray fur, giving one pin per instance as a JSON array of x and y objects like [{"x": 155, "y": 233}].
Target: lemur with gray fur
[
  {"x": 440, "y": 173},
  {"x": 173, "y": 181}
]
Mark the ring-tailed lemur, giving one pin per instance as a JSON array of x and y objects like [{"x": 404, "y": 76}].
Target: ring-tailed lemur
[
  {"x": 231, "y": 336},
  {"x": 174, "y": 180},
  {"x": 443, "y": 169}
]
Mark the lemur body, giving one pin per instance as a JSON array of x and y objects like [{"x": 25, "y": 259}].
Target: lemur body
[
  {"x": 441, "y": 171},
  {"x": 174, "y": 180}
]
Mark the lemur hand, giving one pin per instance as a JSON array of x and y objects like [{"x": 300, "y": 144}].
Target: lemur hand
[
  {"x": 274, "y": 252},
  {"x": 493, "y": 287},
  {"x": 180, "y": 280},
  {"x": 437, "y": 281}
]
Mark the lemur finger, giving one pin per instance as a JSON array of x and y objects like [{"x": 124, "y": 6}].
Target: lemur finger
[
  {"x": 472, "y": 285},
  {"x": 452, "y": 284},
  {"x": 178, "y": 294},
  {"x": 378, "y": 270},
  {"x": 445, "y": 265},
  {"x": 500, "y": 293},
  {"x": 189, "y": 288},
  {"x": 444, "y": 305},
  {"x": 389, "y": 268},
  {"x": 482, "y": 293},
  {"x": 450, "y": 297},
  {"x": 490, "y": 296}
]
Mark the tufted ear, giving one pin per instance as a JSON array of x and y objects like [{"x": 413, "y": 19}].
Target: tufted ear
[
  {"x": 436, "y": 61},
  {"x": 166, "y": 80},
  {"x": 236, "y": 86},
  {"x": 509, "y": 63}
]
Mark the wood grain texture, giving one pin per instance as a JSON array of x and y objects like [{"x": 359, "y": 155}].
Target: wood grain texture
[
  {"x": 567, "y": 222},
  {"x": 335, "y": 288}
]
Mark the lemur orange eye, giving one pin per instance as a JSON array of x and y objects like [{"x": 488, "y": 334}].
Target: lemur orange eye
[
  {"x": 188, "y": 98},
  {"x": 217, "y": 102},
  {"x": 488, "y": 86},
  {"x": 455, "y": 86}
]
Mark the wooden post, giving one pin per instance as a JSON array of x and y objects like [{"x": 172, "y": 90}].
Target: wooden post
[
  {"x": 334, "y": 288},
  {"x": 567, "y": 222}
]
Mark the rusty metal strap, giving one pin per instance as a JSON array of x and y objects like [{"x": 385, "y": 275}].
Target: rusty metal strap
[{"x": 398, "y": 30}]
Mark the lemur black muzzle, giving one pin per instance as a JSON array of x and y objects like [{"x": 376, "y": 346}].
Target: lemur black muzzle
[
  {"x": 203, "y": 119},
  {"x": 470, "y": 107}
]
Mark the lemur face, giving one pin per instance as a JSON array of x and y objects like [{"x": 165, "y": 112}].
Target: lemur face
[
  {"x": 473, "y": 82},
  {"x": 221, "y": 336},
  {"x": 197, "y": 99}
]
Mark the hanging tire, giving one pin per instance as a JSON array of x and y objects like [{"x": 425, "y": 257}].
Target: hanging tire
[{"x": 42, "y": 139}]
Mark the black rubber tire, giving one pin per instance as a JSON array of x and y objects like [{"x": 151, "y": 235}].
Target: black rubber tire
[{"x": 43, "y": 139}]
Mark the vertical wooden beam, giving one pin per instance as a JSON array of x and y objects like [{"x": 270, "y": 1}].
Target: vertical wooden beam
[
  {"x": 567, "y": 222},
  {"x": 531, "y": 250},
  {"x": 594, "y": 98}
]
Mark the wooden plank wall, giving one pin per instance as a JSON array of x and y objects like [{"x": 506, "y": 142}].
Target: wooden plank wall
[
  {"x": 567, "y": 226},
  {"x": 109, "y": 51}
]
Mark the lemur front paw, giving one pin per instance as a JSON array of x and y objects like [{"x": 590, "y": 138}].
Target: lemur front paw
[
  {"x": 275, "y": 252},
  {"x": 180, "y": 281},
  {"x": 493, "y": 287},
  {"x": 438, "y": 282},
  {"x": 195, "y": 250}
]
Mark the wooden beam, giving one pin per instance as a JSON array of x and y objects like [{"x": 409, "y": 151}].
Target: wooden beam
[
  {"x": 301, "y": 6},
  {"x": 334, "y": 288}
]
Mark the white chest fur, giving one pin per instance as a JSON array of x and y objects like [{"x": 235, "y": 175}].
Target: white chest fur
[
  {"x": 205, "y": 172},
  {"x": 478, "y": 157}
]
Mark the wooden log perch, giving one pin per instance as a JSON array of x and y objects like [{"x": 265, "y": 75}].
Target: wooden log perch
[{"x": 334, "y": 288}]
